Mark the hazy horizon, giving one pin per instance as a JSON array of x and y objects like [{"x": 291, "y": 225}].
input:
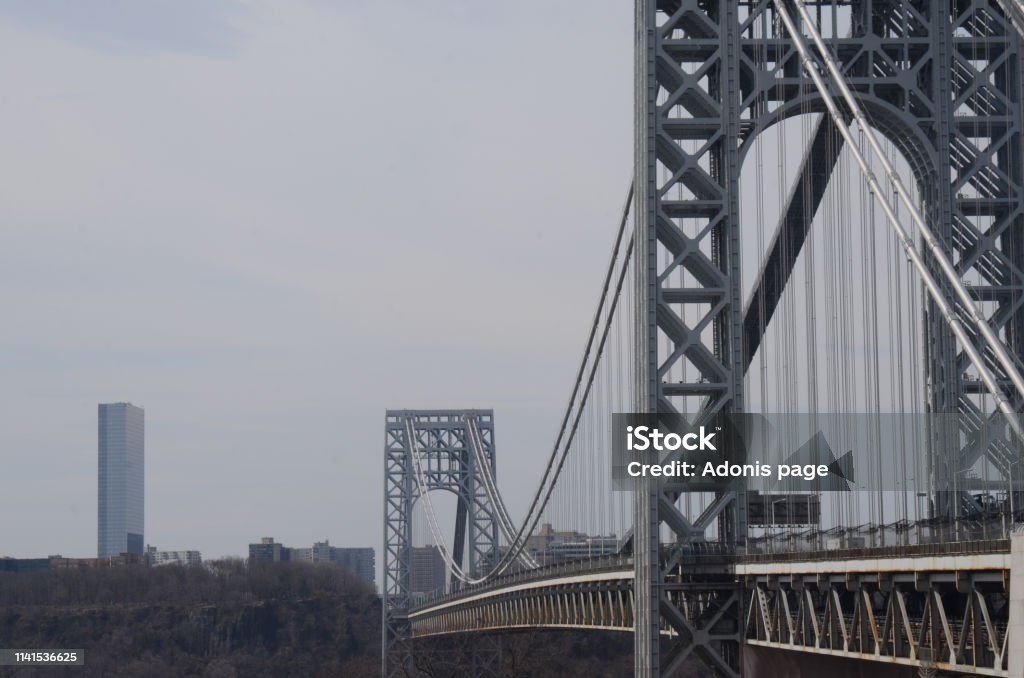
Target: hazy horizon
[{"x": 266, "y": 224}]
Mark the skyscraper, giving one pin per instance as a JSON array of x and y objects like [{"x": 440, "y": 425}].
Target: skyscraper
[{"x": 121, "y": 474}]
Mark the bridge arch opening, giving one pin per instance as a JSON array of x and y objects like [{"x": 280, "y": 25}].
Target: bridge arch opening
[
  {"x": 824, "y": 275},
  {"x": 429, "y": 573},
  {"x": 844, "y": 323}
]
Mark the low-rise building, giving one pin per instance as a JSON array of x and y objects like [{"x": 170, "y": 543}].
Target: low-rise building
[
  {"x": 360, "y": 561},
  {"x": 268, "y": 551},
  {"x": 8, "y": 564},
  {"x": 61, "y": 563},
  {"x": 157, "y": 557}
]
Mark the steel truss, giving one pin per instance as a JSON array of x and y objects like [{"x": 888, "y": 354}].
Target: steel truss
[
  {"x": 942, "y": 606},
  {"x": 944, "y": 621},
  {"x": 447, "y": 463},
  {"x": 942, "y": 81}
]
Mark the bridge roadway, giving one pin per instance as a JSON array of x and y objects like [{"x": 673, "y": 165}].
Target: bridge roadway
[{"x": 944, "y": 605}]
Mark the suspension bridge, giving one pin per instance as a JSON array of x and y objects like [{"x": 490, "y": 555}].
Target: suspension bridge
[{"x": 825, "y": 219}]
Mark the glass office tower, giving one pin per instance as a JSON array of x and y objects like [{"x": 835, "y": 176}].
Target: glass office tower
[{"x": 121, "y": 474}]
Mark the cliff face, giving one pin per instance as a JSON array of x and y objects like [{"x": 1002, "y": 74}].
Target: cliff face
[{"x": 228, "y": 620}]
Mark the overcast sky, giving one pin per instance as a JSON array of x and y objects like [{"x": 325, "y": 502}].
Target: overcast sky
[{"x": 267, "y": 222}]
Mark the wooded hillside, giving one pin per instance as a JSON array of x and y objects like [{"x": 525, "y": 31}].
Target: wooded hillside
[{"x": 219, "y": 619}]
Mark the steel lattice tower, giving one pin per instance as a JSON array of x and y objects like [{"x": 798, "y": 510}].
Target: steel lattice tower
[
  {"x": 940, "y": 80},
  {"x": 442, "y": 443}
]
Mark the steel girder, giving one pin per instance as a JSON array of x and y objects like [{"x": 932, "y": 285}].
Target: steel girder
[
  {"x": 442, "y": 443},
  {"x": 942, "y": 81},
  {"x": 944, "y": 622}
]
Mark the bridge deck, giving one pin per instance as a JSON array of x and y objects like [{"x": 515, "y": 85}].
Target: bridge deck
[{"x": 935, "y": 604}]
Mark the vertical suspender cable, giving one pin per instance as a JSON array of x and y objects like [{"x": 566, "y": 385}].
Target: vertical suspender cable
[
  {"x": 908, "y": 245},
  {"x": 945, "y": 265}
]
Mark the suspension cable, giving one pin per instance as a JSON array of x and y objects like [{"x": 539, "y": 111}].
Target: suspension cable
[
  {"x": 556, "y": 461},
  {"x": 490, "y": 487}
]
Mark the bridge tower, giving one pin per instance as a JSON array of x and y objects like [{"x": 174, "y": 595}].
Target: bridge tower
[
  {"x": 942, "y": 81},
  {"x": 427, "y": 450}
]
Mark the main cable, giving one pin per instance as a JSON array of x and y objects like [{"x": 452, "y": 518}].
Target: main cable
[{"x": 559, "y": 452}]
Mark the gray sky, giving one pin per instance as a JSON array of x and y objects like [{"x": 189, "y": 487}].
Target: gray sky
[{"x": 267, "y": 222}]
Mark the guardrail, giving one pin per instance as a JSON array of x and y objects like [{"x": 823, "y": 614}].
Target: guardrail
[{"x": 916, "y": 550}]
